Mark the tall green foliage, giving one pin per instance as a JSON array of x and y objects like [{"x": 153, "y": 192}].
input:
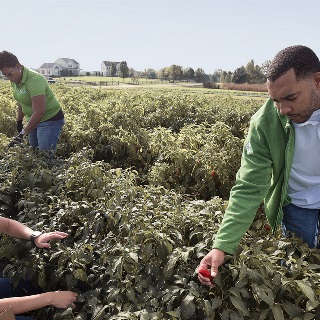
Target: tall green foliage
[{"x": 140, "y": 183}]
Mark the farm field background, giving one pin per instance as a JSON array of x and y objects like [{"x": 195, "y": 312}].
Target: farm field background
[{"x": 140, "y": 182}]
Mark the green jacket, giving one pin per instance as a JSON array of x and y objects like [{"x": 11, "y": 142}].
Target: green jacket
[{"x": 264, "y": 173}]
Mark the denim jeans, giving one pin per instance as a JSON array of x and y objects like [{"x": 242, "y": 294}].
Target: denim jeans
[
  {"x": 23, "y": 289},
  {"x": 45, "y": 136},
  {"x": 303, "y": 223}
]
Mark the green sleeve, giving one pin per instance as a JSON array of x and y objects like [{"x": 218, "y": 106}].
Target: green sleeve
[
  {"x": 36, "y": 86},
  {"x": 251, "y": 186}
]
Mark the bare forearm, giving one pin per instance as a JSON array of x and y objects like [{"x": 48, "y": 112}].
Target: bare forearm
[
  {"x": 38, "y": 109},
  {"x": 20, "y": 113},
  {"x": 27, "y": 303},
  {"x": 14, "y": 228},
  {"x": 58, "y": 299},
  {"x": 33, "y": 122}
]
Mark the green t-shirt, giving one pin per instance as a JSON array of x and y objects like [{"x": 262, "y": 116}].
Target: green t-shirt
[{"x": 34, "y": 84}]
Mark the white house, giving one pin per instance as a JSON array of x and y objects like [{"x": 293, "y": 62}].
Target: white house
[
  {"x": 106, "y": 68},
  {"x": 50, "y": 69},
  {"x": 62, "y": 66},
  {"x": 134, "y": 72}
]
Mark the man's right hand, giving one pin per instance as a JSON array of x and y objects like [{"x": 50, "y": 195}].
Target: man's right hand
[{"x": 212, "y": 261}]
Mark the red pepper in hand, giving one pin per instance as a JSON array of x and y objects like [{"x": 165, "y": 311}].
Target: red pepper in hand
[{"x": 206, "y": 273}]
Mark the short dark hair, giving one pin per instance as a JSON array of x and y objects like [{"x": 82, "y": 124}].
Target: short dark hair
[
  {"x": 8, "y": 60},
  {"x": 301, "y": 59}
]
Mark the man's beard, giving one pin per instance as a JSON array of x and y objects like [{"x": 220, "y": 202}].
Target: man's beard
[{"x": 306, "y": 114}]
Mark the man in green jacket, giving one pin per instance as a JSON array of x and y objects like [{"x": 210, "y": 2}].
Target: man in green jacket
[{"x": 280, "y": 160}]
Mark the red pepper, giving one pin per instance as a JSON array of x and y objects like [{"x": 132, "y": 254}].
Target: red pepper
[{"x": 206, "y": 273}]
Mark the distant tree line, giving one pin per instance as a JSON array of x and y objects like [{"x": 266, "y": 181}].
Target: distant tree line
[{"x": 251, "y": 74}]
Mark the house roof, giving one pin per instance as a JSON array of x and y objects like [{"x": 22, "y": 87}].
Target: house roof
[
  {"x": 67, "y": 60},
  {"x": 47, "y": 65},
  {"x": 109, "y": 63}
]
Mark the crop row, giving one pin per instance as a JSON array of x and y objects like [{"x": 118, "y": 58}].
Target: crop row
[{"x": 140, "y": 183}]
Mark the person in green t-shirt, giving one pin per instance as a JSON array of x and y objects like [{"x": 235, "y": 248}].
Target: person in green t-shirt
[{"x": 36, "y": 103}]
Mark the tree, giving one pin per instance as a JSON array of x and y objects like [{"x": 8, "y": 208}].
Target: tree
[
  {"x": 264, "y": 67},
  {"x": 113, "y": 69},
  {"x": 151, "y": 74},
  {"x": 217, "y": 75},
  {"x": 176, "y": 72},
  {"x": 240, "y": 75},
  {"x": 200, "y": 76},
  {"x": 188, "y": 73},
  {"x": 124, "y": 70},
  {"x": 163, "y": 73},
  {"x": 254, "y": 73},
  {"x": 223, "y": 76},
  {"x": 131, "y": 73},
  {"x": 228, "y": 78}
]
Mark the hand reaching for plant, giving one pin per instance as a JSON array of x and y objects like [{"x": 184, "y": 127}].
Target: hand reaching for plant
[{"x": 209, "y": 265}]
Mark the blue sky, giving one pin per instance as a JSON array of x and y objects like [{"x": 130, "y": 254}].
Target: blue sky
[{"x": 205, "y": 34}]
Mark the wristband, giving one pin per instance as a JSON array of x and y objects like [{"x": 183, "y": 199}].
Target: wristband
[{"x": 34, "y": 235}]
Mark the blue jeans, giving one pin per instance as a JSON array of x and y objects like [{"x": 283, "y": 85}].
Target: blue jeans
[
  {"x": 24, "y": 288},
  {"x": 45, "y": 136},
  {"x": 303, "y": 223}
]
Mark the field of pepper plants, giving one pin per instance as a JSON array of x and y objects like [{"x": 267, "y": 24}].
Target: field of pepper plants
[{"x": 140, "y": 182}]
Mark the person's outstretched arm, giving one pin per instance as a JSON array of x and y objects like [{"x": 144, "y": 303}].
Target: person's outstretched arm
[
  {"x": 58, "y": 299},
  {"x": 16, "y": 229}
]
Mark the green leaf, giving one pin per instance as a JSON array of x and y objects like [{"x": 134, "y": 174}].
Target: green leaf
[
  {"x": 163, "y": 249},
  {"x": 56, "y": 254},
  {"x": 174, "y": 314},
  {"x": 80, "y": 274},
  {"x": 309, "y": 316},
  {"x": 277, "y": 312},
  {"x": 238, "y": 303},
  {"x": 264, "y": 294},
  {"x": 6, "y": 199},
  {"x": 147, "y": 251},
  {"x": 117, "y": 266},
  {"x": 187, "y": 307},
  {"x": 264, "y": 314},
  {"x": 216, "y": 303},
  {"x": 168, "y": 269},
  {"x": 100, "y": 314},
  {"x": 291, "y": 309},
  {"x": 185, "y": 256},
  {"x": 235, "y": 315},
  {"x": 306, "y": 289},
  {"x": 208, "y": 311},
  {"x": 225, "y": 314},
  {"x": 133, "y": 256},
  {"x": 254, "y": 275},
  {"x": 131, "y": 295},
  {"x": 311, "y": 305}
]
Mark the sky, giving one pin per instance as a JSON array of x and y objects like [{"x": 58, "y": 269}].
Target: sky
[{"x": 206, "y": 34}]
